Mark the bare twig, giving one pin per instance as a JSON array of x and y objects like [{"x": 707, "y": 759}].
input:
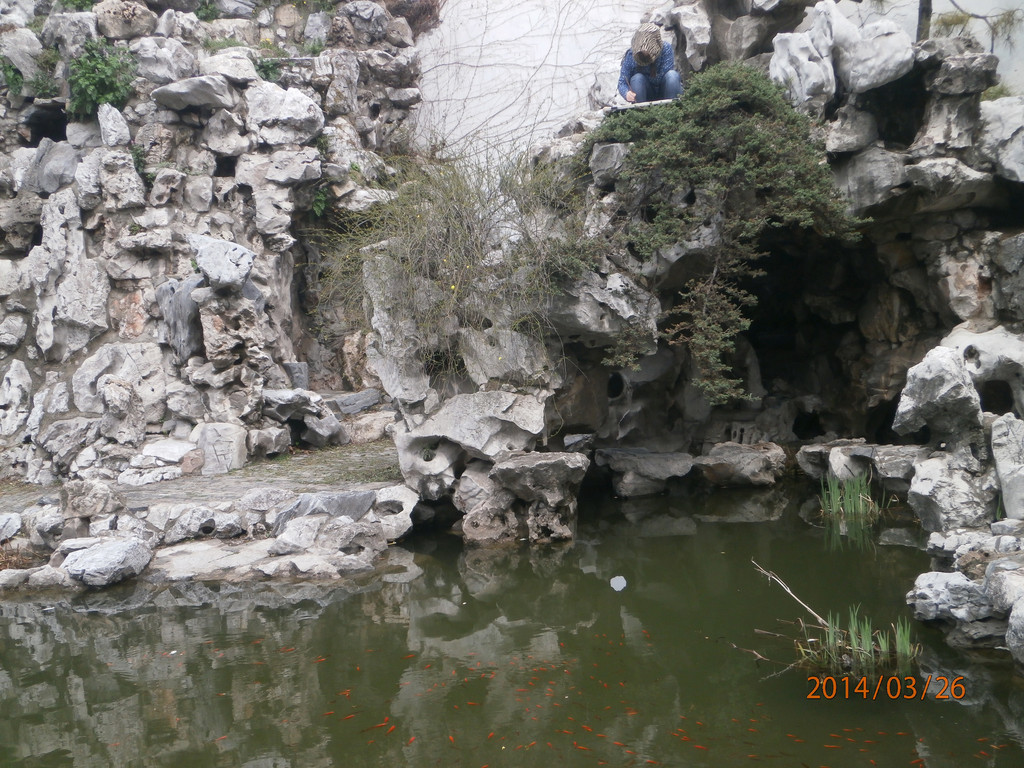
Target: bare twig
[{"x": 773, "y": 577}]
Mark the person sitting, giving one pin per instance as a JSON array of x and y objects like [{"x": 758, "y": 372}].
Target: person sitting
[{"x": 648, "y": 68}]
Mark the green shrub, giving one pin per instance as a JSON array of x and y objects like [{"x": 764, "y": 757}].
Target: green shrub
[
  {"x": 268, "y": 69},
  {"x": 207, "y": 11},
  {"x": 437, "y": 246},
  {"x": 314, "y": 47},
  {"x": 731, "y": 150},
  {"x": 219, "y": 45},
  {"x": 12, "y": 76},
  {"x": 103, "y": 74},
  {"x": 78, "y": 5},
  {"x": 44, "y": 84}
]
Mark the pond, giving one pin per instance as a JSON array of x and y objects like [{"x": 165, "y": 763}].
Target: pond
[{"x": 630, "y": 647}]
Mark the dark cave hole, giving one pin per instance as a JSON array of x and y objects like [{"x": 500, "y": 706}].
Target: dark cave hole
[
  {"x": 374, "y": 111},
  {"x": 878, "y": 427},
  {"x": 225, "y": 166},
  {"x": 996, "y": 397},
  {"x": 899, "y": 107},
  {"x": 37, "y": 235},
  {"x": 616, "y": 385},
  {"x": 207, "y": 528},
  {"x": 807, "y": 426},
  {"x": 45, "y": 121}
]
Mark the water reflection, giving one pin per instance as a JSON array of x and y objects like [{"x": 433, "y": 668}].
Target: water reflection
[{"x": 507, "y": 657}]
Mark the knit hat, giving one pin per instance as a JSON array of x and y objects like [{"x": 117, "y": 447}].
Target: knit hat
[{"x": 647, "y": 42}]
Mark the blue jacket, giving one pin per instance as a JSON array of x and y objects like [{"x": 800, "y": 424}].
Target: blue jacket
[{"x": 665, "y": 64}]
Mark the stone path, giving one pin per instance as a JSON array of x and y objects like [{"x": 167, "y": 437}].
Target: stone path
[{"x": 349, "y": 467}]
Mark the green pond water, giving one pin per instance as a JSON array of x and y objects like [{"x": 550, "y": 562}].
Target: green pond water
[{"x": 509, "y": 658}]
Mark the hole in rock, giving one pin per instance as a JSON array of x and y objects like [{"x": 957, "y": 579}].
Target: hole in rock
[
  {"x": 807, "y": 426},
  {"x": 899, "y": 108},
  {"x": 374, "y": 111},
  {"x": 45, "y": 121},
  {"x": 616, "y": 385},
  {"x": 207, "y": 528},
  {"x": 225, "y": 166},
  {"x": 996, "y": 396}
]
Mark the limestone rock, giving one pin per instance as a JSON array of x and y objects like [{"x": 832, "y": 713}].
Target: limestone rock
[
  {"x": 486, "y": 506},
  {"x": 10, "y": 526},
  {"x": 883, "y": 53},
  {"x": 269, "y": 441},
  {"x": 639, "y": 472},
  {"x": 852, "y": 130},
  {"x": 113, "y": 127},
  {"x": 180, "y": 315},
  {"x": 236, "y": 68},
  {"x": 393, "y": 508},
  {"x": 1008, "y": 453},
  {"x": 123, "y": 20},
  {"x": 163, "y": 60},
  {"x": 223, "y": 446},
  {"x": 211, "y": 91},
  {"x": 948, "y": 596},
  {"x": 321, "y": 431},
  {"x": 606, "y": 163},
  {"x": 68, "y": 32},
  {"x": 691, "y": 18},
  {"x": 871, "y": 177},
  {"x": 799, "y": 67},
  {"x": 369, "y": 19},
  {"x": 15, "y": 397},
  {"x": 398, "y": 71},
  {"x": 353, "y": 505},
  {"x": 140, "y": 364},
  {"x": 945, "y": 497},
  {"x": 225, "y": 134},
  {"x": 940, "y": 394},
  {"x": 946, "y": 184},
  {"x": 736, "y": 465},
  {"x": 224, "y": 264},
  {"x": 109, "y": 562},
  {"x": 203, "y": 521},
  {"x": 280, "y": 116},
  {"x": 596, "y": 309},
  {"x": 1002, "y": 138},
  {"x": 89, "y": 498}
]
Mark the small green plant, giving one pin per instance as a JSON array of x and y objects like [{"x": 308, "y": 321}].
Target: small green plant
[
  {"x": 213, "y": 46},
  {"x": 268, "y": 69},
  {"x": 849, "y": 511},
  {"x": 1000, "y": 91},
  {"x": 44, "y": 84},
  {"x": 102, "y": 74},
  {"x": 314, "y": 47},
  {"x": 12, "y": 76},
  {"x": 78, "y": 5},
  {"x": 139, "y": 161},
  {"x": 321, "y": 201},
  {"x": 207, "y": 11},
  {"x": 134, "y": 228}
]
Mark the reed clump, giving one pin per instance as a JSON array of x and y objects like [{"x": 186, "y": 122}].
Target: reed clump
[
  {"x": 857, "y": 648},
  {"x": 849, "y": 512}
]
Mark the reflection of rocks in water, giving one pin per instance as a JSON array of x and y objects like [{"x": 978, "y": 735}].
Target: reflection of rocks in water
[
  {"x": 652, "y": 518},
  {"x": 489, "y": 573},
  {"x": 740, "y": 506}
]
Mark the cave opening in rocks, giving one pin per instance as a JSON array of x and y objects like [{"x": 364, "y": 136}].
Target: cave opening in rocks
[
  {"x": 45, "y": 121},
  {"x": 616, "y": 385},
  {"x": 899, "y": 108},
  {"x": 996, "y": 396},
  {"x": 225, "y": 166}
]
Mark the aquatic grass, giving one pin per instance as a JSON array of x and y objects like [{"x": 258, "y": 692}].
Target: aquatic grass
[
  {"x": 849, "y": 512},
  {"x": 856, "y": 648}
]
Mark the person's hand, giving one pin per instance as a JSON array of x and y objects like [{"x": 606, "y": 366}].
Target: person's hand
[{"x": 630, "y": 96}]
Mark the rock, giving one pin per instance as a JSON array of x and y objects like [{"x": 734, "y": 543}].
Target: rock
[
  {"x": 68, "y": 32},
  {"x": 85, "y": 499},
  {"x": 15, "y": 398},
  {"x": 211, "y": 91},
  {"x": 939, "y": 394},
  {"x": 799, "y": 67},
  {"x": 341, "y": 97},
  {"x": 393, "y": 508},
  {"x": 285, "y": 404},
  {"x": 486, "y": 506},
  {"x": 693, "y": 22},
  {"x": 637, "y": 472},
  {"x": 851, "y": 131},
  {"x": 353, "y": 505},
  {"x": 548, "y": 483},
  {"x": 1004, "y": 583},
  {"x": 321, "y": 431},
  {"x": 948, "y": 596},
  {"x": 140, "y": 364},
  {"x": 49, "y": 577},
  {"x": 735, "y": 465},
  {"x": 606, "y": 163},
  {"x": 870, "y": 177},
  {"x": 1008, "y": 453},
  {"x": 369, "y": 20},
  {"x": 55, "y": 165},
  {"x": 109, "y": 562},
  {"x": 318, "y": 25},
  {"x": 180, "y": 314},
  {"x": 963, "y": 73},
  {"x": 168, "y": 450},
  {"x": 113, "y": 128},
  {"x": 224, "y": 264},
  {"x": 278, "y": 116},
  {"x": 1001, "y": 141},
  {"x": 203, "y": 521},
  {"x": 814, "y": 459},
  {"x": 64, "y": 439},
  {"x": 225, "y": 134},
  {"x": 883, "y": 53},
  {"x": 270, "y": 441},
  {"x": 403, "y": 98},
  {"x": 10, "y": 525},
  {"x": 398, "y": 71},
  {"x": 946, "y": 184},
  {"x": 123, "y": 20},
  {"x": 595, "y": 309},
  {"x": 14, "y": 577},
  {"x": 223, "y": 446},
  {"x": 353, "y": 402},
  {"x": 1015, "y": 632},
  {"x": 163, "y": 60},
  {"x": 945, "y": 497},
  {"x": 236, "y": 68}
]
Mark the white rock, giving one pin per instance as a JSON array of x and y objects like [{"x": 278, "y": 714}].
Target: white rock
[
  {"x": 109, "y": 562},
  {"x": 807, "y": 77},
  {"x": 237, "y": 68},
  {"x": 205, "y": 91},
  {"x": 1008, "y": 453},
  {"x": 883, "y": 54},
  {"x": 113, "y": 127},
  {"x": 223, "y": 446},
  {"x": 225, "y": 265},
  {"x": 1002, "y": 136},
  {"x": 280, "y": 116},
  {"x": 945, "y": 497},
  {"x": 163, "y": 60},
  {"x": 948, "y": 596}
]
